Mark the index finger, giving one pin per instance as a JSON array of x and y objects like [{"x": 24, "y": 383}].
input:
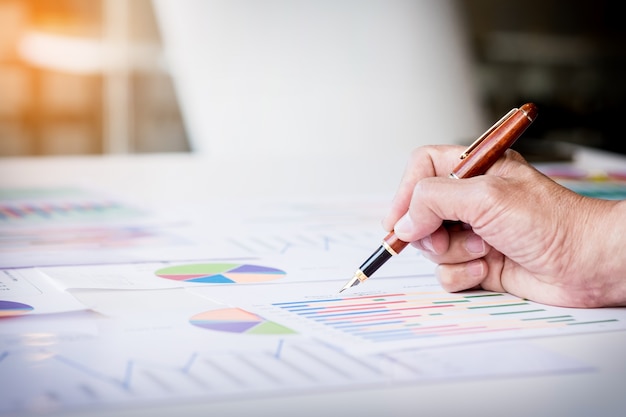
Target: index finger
[{"x": 424, "y": 162}]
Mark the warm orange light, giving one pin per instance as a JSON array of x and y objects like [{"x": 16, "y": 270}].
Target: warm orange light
[
  {"x": 63, "y": 53},
  {"x": 87, "y": 55}
]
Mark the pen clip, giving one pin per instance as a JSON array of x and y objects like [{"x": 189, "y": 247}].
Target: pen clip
[{"x": 482, "y": 137}]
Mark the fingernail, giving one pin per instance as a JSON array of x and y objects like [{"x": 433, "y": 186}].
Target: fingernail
[
  {"x": 404, "y": 225},
  {"x": 475, "y": 268},
  {"x": 427, "y": 244},
  {"x": 474, "y": 244}
]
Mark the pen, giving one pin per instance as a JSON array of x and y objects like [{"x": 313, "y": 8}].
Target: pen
[{"x": 475, "y": 160}]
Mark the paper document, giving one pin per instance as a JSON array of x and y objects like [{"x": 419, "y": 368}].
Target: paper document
[
  {"x": 398, "y": 313},
  {"x": 27, "y": 291},
  {"x": 295, "y": 265},
  {"x": 159, "y": 361}
]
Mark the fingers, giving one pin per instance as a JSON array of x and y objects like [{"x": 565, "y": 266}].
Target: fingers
[
  {"x": 436, "y": 199},
  {"x": 462, "y": 276},
  {"x": 459, "y": 254},
  {"x": 485, "y": 273},
  {"x": 445, "y": 247},
  {"x": 427, "y": 161},
  {"x": 435, "y": 161}
]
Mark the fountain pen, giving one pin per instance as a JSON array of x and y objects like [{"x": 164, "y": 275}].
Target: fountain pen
[{"x": 475, "y": 160}]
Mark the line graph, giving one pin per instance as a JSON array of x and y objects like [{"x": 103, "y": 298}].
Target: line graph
[
  {"x": 288, "y": 243},
  {"x": 30, "y": 382},
  {"x": 91, "y": 379}
]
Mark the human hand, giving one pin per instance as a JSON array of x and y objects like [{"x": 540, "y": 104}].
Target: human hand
[{"x": 523, "y": 233}]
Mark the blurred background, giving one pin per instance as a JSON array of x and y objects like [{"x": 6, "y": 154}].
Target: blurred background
[
  {"x": 89, "y": 76},
  {"x": 84, "y": 77}
]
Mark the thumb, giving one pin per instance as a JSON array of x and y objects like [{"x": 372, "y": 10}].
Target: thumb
[{"x": 436, "y": 199}]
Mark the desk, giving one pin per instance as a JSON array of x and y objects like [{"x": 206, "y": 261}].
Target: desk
[{"x": 599, "y": 392}]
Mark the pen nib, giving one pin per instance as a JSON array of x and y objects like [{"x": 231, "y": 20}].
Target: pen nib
[{"x": 354, "y": 281}]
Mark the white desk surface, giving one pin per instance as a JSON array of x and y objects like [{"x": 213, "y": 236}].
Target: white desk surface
[{"x": 596, "y": 393}]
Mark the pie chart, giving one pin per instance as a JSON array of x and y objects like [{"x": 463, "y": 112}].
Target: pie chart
[
  {"x": 236, "y": 320},
  {"x": 221, "y": 273},
  {"x": 12, "y": 308}
]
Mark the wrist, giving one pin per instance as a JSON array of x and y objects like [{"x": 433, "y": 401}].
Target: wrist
[{"x": 602, "y": 255}]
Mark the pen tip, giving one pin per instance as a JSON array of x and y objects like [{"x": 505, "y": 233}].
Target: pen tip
[{"x": 353, "y": 281}]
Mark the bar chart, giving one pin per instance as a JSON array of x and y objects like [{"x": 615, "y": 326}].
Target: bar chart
[{"x": 432, "y": 316}]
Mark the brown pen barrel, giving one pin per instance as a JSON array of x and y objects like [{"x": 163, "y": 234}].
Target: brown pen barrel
[
  {"x": 496, "y": 143},
  {"x": 393, "y": 244}
]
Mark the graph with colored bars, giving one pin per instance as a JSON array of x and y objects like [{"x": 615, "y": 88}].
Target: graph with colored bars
[
  {"x": 607, "y": 185},
  {"x": 607, "y": 190},
  {"x": 435, "y": 316},
  {"x": 70, "y": 211}
]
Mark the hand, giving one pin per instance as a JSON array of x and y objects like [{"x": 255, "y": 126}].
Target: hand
[{"x": 521, "y": 233}]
